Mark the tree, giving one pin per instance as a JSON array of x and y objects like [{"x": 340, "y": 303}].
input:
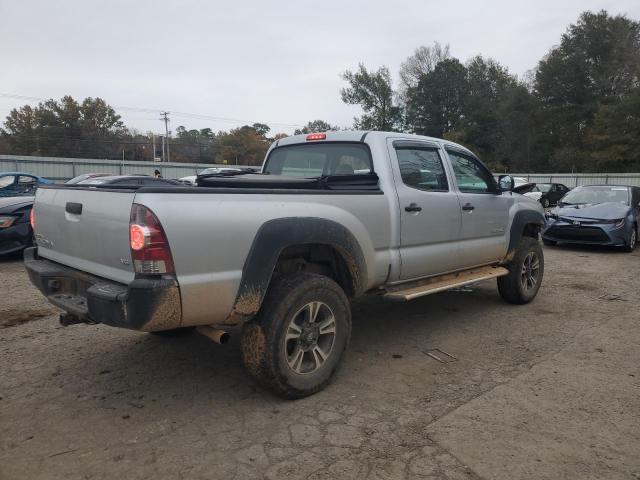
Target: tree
[
  {"x": 374, "y": 93},
  {"x": 243, "y": 146},
  {"x": 614, "y": 138},
  {"x": 597, "y": 61},
  {"x": 315, "y": 126},
  {"x": 435, "y": 106},
  {"x": 421, "y": 63}
]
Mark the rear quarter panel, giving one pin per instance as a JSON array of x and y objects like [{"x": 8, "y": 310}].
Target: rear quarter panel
[{"x": 211, "y": 234}]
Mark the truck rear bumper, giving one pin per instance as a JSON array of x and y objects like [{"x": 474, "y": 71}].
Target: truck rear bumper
[{"x": 148, "y": 304}]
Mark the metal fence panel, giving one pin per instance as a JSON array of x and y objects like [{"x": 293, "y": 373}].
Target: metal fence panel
[{"x": 62, "y": 169}]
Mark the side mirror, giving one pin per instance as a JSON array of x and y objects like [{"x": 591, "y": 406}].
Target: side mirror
[{"x": 506, "y": 183}]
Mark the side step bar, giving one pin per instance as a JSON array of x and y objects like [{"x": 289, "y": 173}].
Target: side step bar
[{"x": 412, "y": 290}]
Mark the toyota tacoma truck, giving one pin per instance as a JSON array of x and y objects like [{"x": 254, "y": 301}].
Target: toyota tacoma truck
[{"x": 276, "y": 256}]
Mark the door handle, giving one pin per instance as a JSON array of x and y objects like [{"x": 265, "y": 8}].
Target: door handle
[
  {"x": 467, "y": 207},
  {"x": 413, "y": 207}
]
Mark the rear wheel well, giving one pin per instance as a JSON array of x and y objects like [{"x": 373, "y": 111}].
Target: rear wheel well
[{"x": 316, "y": 258}]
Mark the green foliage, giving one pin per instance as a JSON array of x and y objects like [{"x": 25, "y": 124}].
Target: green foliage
[
  {"x": 596, "y": 63},
  {"x": 315, "y": 126},
  {"x": 374, "y": 93},
  {"x": 613, "y": 139}
]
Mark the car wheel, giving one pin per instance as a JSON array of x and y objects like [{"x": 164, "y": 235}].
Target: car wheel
[
  {"x": 633, "y": 240},
  {"x": 545, "y": 202},
  {"x": 526, "y": 270},
  {"x": 295, "y": 344}
]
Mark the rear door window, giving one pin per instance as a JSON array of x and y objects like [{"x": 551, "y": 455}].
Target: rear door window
[{"x": 315, "y": 160}]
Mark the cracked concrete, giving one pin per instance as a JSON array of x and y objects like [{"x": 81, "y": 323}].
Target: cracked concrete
[{"x": 546, "y": 390}]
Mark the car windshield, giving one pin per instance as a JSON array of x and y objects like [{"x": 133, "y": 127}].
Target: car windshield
[
  {"x": 592, "y": 195},
  {"x": 318, "y": 159}
]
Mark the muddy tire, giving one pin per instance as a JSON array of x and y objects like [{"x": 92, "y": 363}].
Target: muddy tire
[
  {"x": 295, "y": 344},
  {"x": 526, "y": 270},
  {"x": 174, "y": 332}
]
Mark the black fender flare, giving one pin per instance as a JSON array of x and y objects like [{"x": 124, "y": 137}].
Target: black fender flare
[
  {"x": 276, "y": 235},
  {"x": 521, "y": 219}
]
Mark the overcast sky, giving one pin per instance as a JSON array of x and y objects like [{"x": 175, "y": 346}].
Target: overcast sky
[{"x": 271, "y": 62}]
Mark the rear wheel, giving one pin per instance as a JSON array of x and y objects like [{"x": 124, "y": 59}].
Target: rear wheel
[
  {"x": 295, "y": 344},
  {"x": 526, "y": 270}
]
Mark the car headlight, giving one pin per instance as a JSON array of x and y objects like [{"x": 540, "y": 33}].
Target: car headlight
[
  {"x": 7, "y": 220},
  {"x": 619, "y": 223}
]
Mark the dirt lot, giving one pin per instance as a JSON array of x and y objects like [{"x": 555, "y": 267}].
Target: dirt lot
[{"x": 546, "y": 391}]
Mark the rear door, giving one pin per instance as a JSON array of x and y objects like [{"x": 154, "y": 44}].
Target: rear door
[
  {"x": 86, "y": 229},
  {"x": 485, "y": 212},
  {"x": 429, "y": 209}
]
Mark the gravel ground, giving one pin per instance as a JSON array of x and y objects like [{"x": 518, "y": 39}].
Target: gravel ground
[{"x": 548, "y": 390}]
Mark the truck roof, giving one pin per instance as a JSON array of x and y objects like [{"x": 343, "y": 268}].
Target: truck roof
[{"x": 361, "y": 135}]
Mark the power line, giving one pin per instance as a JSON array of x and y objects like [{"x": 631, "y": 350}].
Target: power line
[{"x": 175, "y": 113}]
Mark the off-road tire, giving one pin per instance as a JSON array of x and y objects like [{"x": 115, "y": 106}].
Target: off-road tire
[
  {"x": 264, "y": 339},
  {"x": 549, "y": 243},
  {"x": 633, "y": 240},
  {"x": 174, "y": 332},
  {"x": 511, "y": 286}
]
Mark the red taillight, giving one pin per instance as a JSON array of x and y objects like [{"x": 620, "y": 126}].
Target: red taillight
[
  {"x": 316, "y": 136},
  {"x": 32, "y": 219},
  {"x": 149, "y": 247}
]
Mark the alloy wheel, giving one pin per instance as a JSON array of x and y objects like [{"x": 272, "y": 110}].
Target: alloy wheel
[
  {"x": 530, "y": 271},
  {"x": 310, "y": 337}
]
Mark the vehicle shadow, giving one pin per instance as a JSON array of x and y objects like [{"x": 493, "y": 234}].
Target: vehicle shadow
[
  {"x": 132, "y": 368},
  {"x": 575, "y": 247}
]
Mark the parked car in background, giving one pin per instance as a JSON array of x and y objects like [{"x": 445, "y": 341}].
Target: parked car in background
[
  {"x": 596, "y": 214},
  {"x": 87, "y": 176},
  {"x": 128, "y": 180},
  {"x": 15, "y": 229},
  {"x": 548, "y": 194},
  {"x": 15, "y": 184},
  {"x": 191, "y": 179}
]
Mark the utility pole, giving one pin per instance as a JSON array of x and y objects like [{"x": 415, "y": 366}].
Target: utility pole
[
  {"x": 165, "y": 117},
  {"x": 153, "y": 143}
]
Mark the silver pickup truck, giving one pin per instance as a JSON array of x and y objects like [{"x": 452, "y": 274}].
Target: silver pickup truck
[{"x": 278, "y": 255}]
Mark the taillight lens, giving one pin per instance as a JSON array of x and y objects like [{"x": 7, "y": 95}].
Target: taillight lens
[
  {"x": 149, "y": 247},
  {"x": 32, "y": 219}
]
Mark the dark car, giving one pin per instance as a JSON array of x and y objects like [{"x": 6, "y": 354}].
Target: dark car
[
  {"x": 15, "y": 229},
  {"x": 16, "y": 184},
  {"x": 551, "y": 193},
  {"x": 86, "y": 176},
  {"x": 128, "y": 180},
  {"x": 596, "y": 214}
]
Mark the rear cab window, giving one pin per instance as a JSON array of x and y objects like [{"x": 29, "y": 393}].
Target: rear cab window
[{"x": 312, "y": 160}]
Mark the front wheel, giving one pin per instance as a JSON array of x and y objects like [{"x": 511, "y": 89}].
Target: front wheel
[
  {"x": 295, "y": 344},
  {"x": 526, "y": 270},
  {"x": 633, "y": 241}
]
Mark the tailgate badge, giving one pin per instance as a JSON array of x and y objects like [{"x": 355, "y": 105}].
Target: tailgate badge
[
  {"x": 125, "y": 261},
  {"x": 43, "y": 242}
]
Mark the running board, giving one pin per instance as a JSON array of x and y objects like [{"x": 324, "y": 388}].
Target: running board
[{"x": 443, "y": 282}]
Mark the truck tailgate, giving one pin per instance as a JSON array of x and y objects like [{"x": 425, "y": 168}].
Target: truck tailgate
[{"x": 86, "y": 229}]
